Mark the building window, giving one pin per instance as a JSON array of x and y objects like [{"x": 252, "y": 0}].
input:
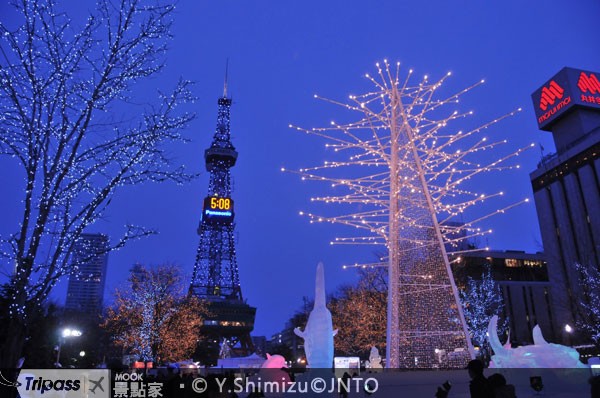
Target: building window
[
  {"x": 512, "y": 262},
  {"x": 232, "y": 323},
  {"x": 533, "y": 263}
]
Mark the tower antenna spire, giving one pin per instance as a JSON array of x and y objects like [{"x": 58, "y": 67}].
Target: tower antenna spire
[{"x": 225, "y": 83}]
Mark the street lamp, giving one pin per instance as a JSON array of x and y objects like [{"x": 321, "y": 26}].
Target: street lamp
[
  {"x": 66, "y": 333},
  {"x": 71, "y": 332},
  {"x": 568, "y": 332}
]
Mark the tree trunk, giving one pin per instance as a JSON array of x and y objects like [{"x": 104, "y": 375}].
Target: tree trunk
[{"x": 12, "y": 347}]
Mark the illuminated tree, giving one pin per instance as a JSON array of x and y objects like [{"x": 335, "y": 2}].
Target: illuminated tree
[
  {"x": 482, "y": 299},
  {"x": 73, "y": 124},
  {"x": 588, "y": 319},
  {"x": 153, "y": 319},
  {"x": 402, "y": 173},
  {"x": 359, "y": 314}
]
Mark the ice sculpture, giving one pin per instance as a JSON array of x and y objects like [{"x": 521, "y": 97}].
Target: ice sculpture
[
  {"x": 375, "y": 359},
  {"x": 318, "y": 333},
  {"x": 539, "y": 355}
]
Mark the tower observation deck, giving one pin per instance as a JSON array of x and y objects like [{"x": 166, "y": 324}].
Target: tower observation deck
[{"x": 216, "y": 277}]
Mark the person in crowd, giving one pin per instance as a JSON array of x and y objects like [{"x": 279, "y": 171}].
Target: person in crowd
[
  {"x": 479, "y": 386},
  {"x": 443, "y": 390},
  {"x": 595, "y": 383},
  {"x": 499, "y": 387},
  {"x": 344, "y": 386}
]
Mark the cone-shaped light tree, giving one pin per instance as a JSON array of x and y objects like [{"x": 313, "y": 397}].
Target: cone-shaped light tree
[{"x": 401, "y": 177}]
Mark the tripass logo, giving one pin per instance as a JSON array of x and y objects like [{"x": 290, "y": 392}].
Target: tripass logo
[
  {"x": 550, "y": 94},
  {"x": 588, "y": 83},
  {"x": 73, "y": 383},
  {"x": 42, "y": 385}
]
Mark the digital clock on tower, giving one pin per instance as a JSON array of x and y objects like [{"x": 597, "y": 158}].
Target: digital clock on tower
[{"x": 218, "y": 209}]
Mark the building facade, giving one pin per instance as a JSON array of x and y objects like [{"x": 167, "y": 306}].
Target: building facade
[
  {"x": 526, "y": 293},
  {"x": 294, "y": 345},
  {"x": 85, "y": 292},
  {"x": 566, "y": 185}
]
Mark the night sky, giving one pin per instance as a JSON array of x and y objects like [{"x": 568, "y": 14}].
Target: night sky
[{"x": 282, "y": 53}]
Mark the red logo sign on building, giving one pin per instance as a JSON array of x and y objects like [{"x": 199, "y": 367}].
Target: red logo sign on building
[
  {"x": 550, "y": 94},
  {"x": 567, "y": 91},
  {"x": 588, "y": 83}
]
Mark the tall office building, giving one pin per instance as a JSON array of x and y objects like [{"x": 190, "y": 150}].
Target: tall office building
[
  {"x": 85, "y": 293},
  {"x": 566, "y": 185}
]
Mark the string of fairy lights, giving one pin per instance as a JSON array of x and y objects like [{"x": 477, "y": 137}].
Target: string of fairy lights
[
  {"x": 402, "y": 176},
  {"x": 446, "y": 170},
  {"x": 61, "y": 87}
]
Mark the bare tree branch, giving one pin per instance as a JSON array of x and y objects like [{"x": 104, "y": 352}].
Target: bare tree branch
[{"x": 62, "y": 92}]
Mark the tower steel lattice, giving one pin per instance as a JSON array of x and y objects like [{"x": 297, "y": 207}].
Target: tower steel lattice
[{"x": 216, "y": 277}]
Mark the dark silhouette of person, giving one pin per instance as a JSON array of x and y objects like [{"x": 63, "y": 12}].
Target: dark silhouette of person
[
  {"x": 345, "y": 385},
  {"x": 479, "y": 386},
  {"x": 499, "y": 387},
  {"x": 443, "y": 390},
  {"x": 595, "y": 383}
]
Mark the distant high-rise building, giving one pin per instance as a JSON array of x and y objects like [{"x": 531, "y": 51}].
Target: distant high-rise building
[
  {"x": 566, "y": 185},
  {"x": 85, "y": 293}
]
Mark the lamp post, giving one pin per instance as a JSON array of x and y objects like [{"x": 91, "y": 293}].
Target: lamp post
[
  {"x": 66, "y": 333},
  {"x": 568, "y": 332}
]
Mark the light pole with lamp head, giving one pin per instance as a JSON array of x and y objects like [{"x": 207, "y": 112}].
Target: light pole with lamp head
[{"x": 66, "y": 333}]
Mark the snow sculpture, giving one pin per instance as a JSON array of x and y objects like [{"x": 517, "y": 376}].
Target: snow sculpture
[
  {"x": 274, "y": 362},
  {"x": 375, "y": 359},
  {"x": 272, "y": 372},
  {"x": 539, "y": 355},
  {"x": 318, "y": 333}
]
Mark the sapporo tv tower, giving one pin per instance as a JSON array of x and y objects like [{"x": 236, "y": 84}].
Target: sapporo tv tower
[{"x": 216, "y": 276}]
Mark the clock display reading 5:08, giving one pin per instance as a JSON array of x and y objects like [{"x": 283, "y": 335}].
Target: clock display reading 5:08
[{"x": 220, "y": 203}]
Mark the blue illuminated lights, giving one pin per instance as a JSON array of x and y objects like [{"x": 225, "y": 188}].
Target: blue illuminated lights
[{"x": 218, "y": 213}]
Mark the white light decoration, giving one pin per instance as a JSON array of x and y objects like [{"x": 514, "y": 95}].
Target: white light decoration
[
  {"x": 588, "y": 320},
  {"x": 402, "y": 176},
  {"x": 78, "y": 124}
]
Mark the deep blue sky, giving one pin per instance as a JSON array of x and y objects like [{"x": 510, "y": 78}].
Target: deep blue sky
[{"x": 280, "y": 54}]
